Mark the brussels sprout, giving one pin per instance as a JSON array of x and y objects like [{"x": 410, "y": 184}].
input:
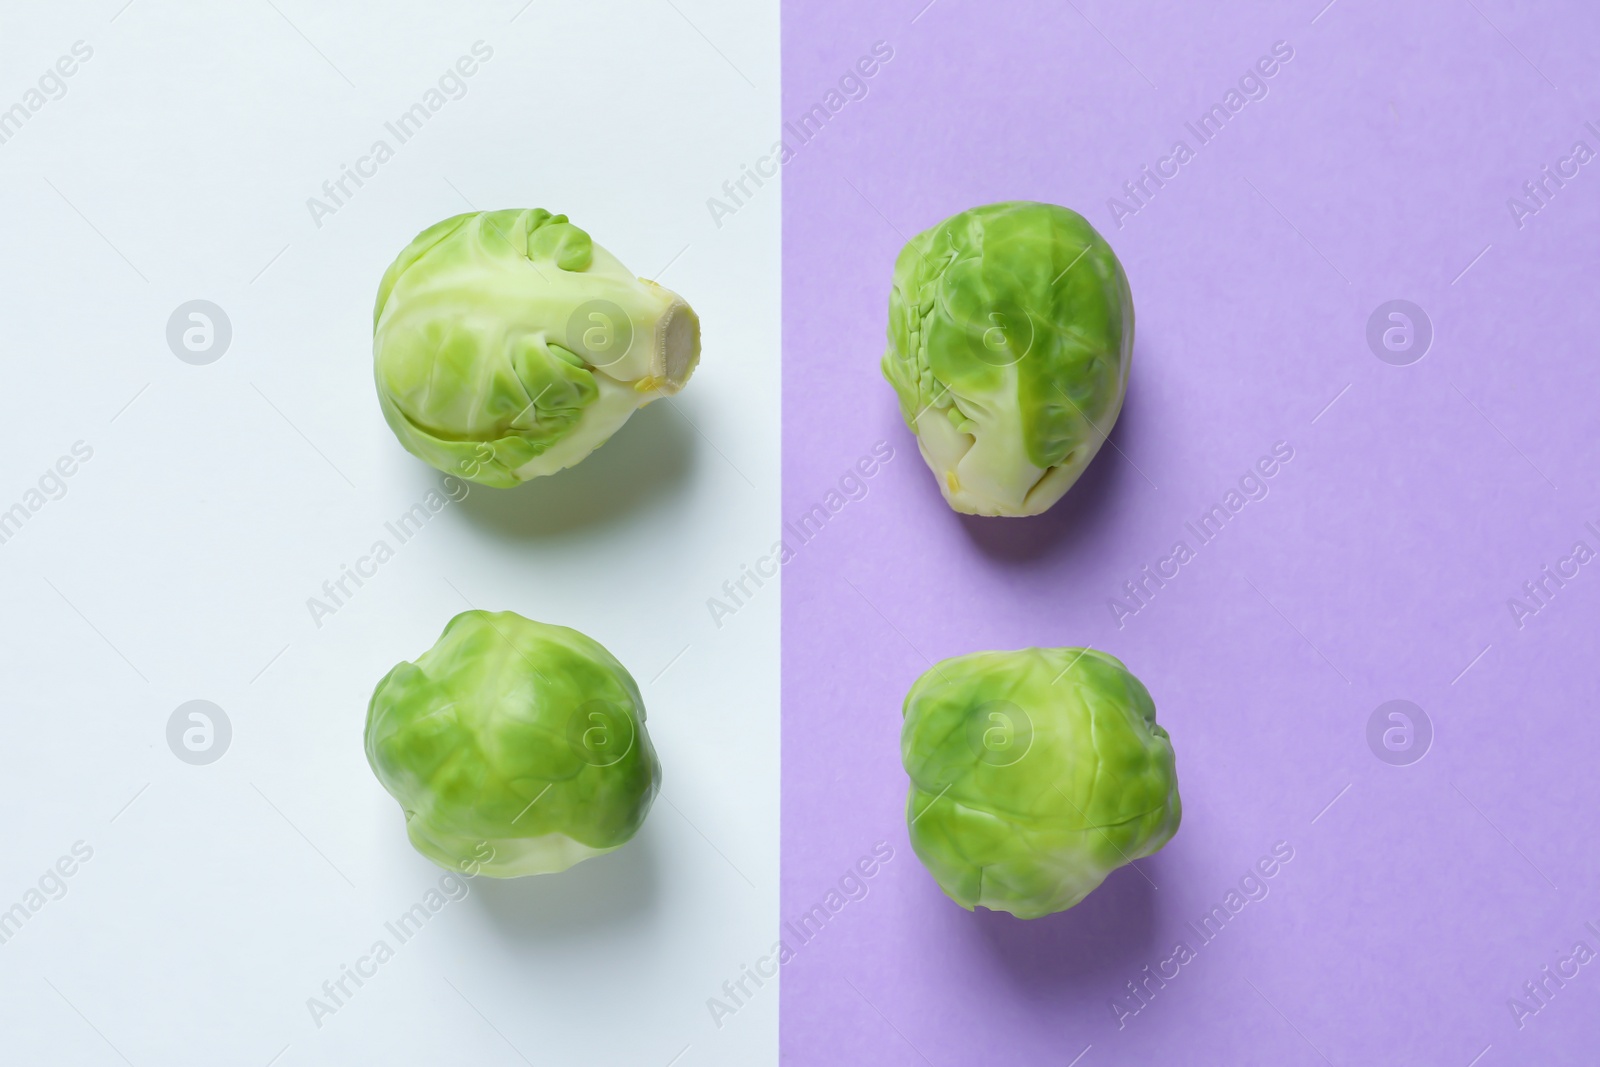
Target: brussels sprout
[
  {"x": 1034, "y": 774},
  {"x": 1010, "y": 336},
  {"x": 508, "y": 345},
  {"x": 514, "y": 747}
]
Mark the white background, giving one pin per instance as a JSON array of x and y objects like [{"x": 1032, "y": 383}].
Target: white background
[{"x": 178, "y": 564}]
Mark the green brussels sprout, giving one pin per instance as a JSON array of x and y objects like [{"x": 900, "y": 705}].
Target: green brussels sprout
[
  {"x": 514, "y": 747},
  {"x": 1034, "y": 774},
  {"x": 1010, "y": 338},
  {"x": 508, "y": 345}
]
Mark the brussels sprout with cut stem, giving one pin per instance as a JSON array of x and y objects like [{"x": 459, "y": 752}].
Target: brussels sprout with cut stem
[
  {"x": 1010, "y": 338},
  {"x": 508, "y": 345}
]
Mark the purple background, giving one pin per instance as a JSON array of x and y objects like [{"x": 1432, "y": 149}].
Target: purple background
[{"x": 1378, "y": 568}]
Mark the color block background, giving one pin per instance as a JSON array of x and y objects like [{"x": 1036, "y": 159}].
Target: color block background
[
  {"x": 178, "y": 563},
  {"x": 1379, "y": 566}
]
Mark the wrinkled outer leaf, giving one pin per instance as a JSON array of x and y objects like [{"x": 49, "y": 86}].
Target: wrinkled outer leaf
[{"x": 513, "y": 746}]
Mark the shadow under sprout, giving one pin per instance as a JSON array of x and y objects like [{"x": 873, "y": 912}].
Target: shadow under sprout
[
  {"x": 1088, "y": 506},
  {"x": 594, "y": 895},
  {"x": 646, "y": 460},
  {"x": 1099, "y": 944}
]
